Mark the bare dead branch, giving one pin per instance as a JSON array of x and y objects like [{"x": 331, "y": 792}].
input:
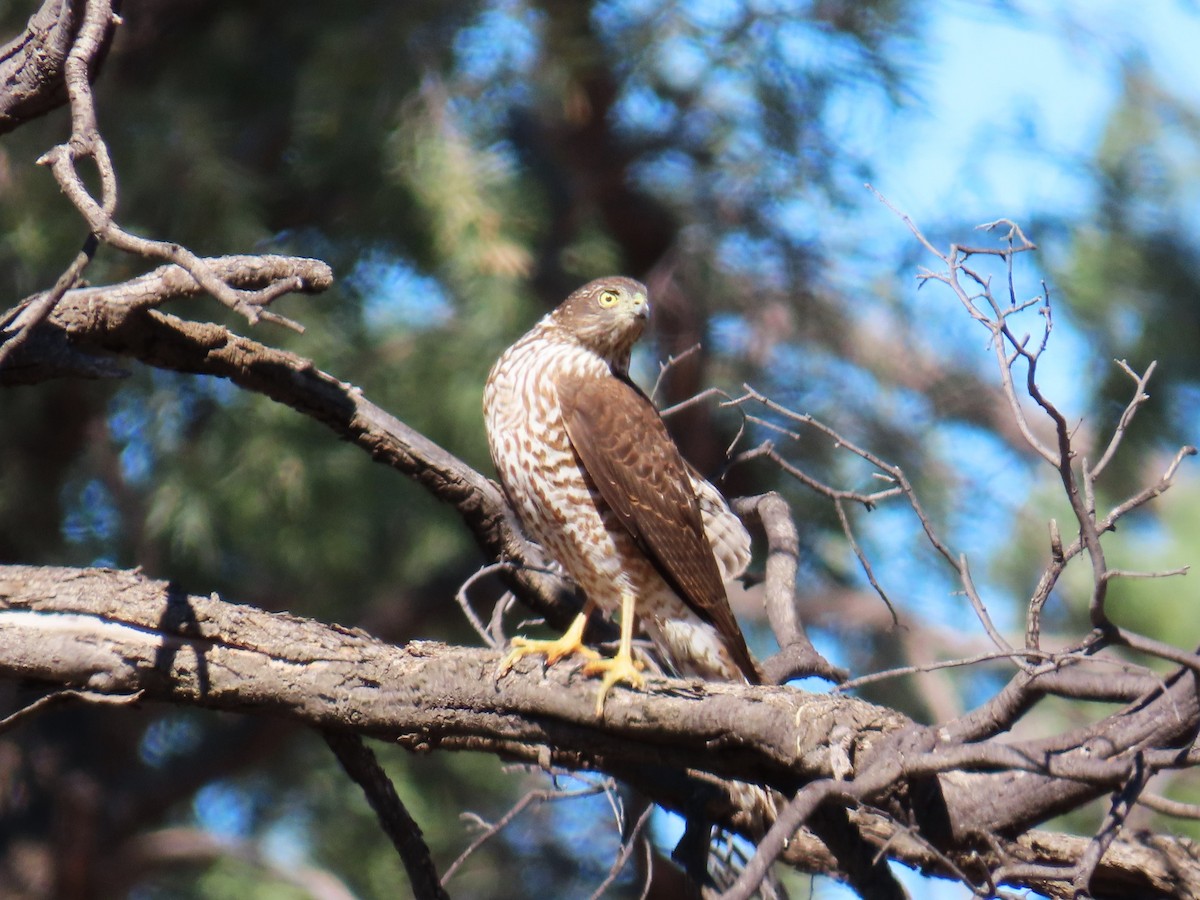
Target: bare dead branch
[
  {"x": 772, "y": 845},
  {"x": 954, "y": 262},
  {"x": 911, "y": 225},
  {"x": 820, "y": 804},
  {"x": 86, "y": 143},
  {"x": 665, "y": 367},
  {"x": 1122, "y": 802},
  {"x": 894, "y": 475},
  {"x": 168, "y": 283},
  {"x": 1147, "y": 494},
  {"x": 631, "y": 841},
  {"x": 109, "y": 632},
  {"x": 1169, "y": 807},
  {"x": 767, "y": 450},
  {"x": 900, "y": 671},
  {"x": 121, "y": 320},
  {"x": 32, "y": 65},
  {"x": 1079, "y": 488},
  {"x": 1061, "y": 555},
  {"x": 1152, "y": 647},
  {"x": 804, "y": 419},
  {"x": 356, "y": 758},
  {"x": 249, "y": 304},
  {"x": 60, "y": 349},
  {"x": 1014, "y": 233},
  {"x": 464, "y": 601},
  {"x": 797, "y": 655},
  {"x": 838, "y": 496},
  {"x": 12, "y": 720},
  {"x": 1139, "y": 399},
  {"x": 490, "y": 830}
]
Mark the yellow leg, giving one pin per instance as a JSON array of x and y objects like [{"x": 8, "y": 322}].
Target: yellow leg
[
  {"x": 570, "y": 642},
  {"x": 621, "y": 667}
]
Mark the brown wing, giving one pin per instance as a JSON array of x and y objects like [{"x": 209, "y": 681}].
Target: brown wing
[{"x": 626, "y": 450}]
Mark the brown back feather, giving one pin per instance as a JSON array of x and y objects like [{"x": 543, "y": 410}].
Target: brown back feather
[{"x": 626, "y": 450}]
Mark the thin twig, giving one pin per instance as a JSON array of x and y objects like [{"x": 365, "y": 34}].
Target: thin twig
[
  {"x": 363, "y": 768},
  {"x": 671, "y": 362},
  {"x": 1169, "y": 807},
  {"x": 1047, "y": 581},
  {"x": 1122, "y": 802},
  {"x": 540, "y": 795},
  {"x": 900, "y": 671},
  {"x": 1129, "y": 573},
  {"x": 694, "y": 400},
  {"x": 12, "y": 720},
  {"x": 648, "y": 863},
  {"x": 863, "y": 561},
  {"x": 1139, "y": 398},
  {"x": 86, "y": 142},
  {"x": 950, "y": 866},
  {"x": 626, "y": 851},
  {"x": 39, "y": 309},
  {"x": 464, "y": 601},
  {"x": 495, "y": 626}
]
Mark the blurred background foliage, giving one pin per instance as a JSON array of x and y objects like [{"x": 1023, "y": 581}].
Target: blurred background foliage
[{"x": 463, "y": 166}]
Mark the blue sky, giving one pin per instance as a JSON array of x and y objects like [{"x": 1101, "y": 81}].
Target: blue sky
[
  {"x": 1006, "y": 112},
  {"x": 1009, "y": 109},
  {"x": 1005, "y": 115}
]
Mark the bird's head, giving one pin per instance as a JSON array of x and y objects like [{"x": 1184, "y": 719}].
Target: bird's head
[{"x": 606, "y": 315}]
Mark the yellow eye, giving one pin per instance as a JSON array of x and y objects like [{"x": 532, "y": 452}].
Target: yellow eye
[{"x": 608, "y": 299}]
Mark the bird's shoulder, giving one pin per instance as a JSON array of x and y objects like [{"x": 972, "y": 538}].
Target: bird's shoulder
[{"x": 599, "y": 393}]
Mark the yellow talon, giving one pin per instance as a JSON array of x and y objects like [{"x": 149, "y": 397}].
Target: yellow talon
[
  {"x": 570, "y": 642},
  {"x": 621, "y": 668}
]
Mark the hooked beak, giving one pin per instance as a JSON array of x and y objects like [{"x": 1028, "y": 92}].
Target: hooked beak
[{"x": 641, "y": 306}]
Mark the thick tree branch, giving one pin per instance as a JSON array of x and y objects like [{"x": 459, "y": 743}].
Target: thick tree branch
[
  {"x": 109, "y": 632},
  {"x": 124, "y": 320},
  {"x": 117, "y": 633},
  {"x": 33, "y": 64}
]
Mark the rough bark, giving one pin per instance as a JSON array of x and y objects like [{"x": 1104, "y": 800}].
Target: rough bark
[
  {"x": 32, "y": 64},
  {"x": 118, "y": 633}
]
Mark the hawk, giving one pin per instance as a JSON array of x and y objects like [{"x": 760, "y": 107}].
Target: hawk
[{"x": 594, "y": 477}]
